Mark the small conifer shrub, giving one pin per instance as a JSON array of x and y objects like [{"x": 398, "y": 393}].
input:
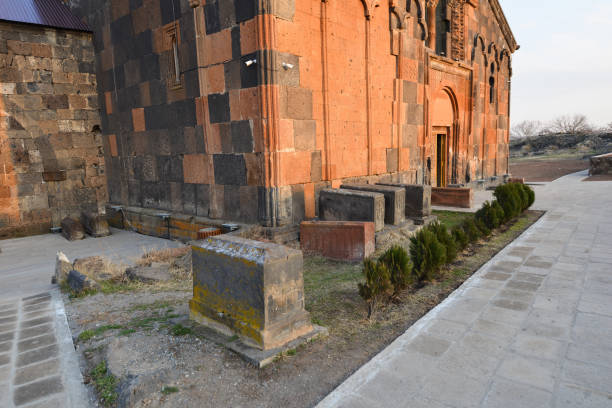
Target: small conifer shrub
[
  {"x": 471, "y": 230},
  {"x": 398, "y": 263},
  {"x": 377, "y": 286},
  {"x": 491, "y": 215},
  {"x": 427, "y": 255},
  {"x": 509, "y": 198},
  {"x": 460, "y": 237},
  {"x": 446, "y": 239}
]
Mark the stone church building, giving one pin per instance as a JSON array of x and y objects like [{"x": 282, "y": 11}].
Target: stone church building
[{"x": 244, "y": 110}]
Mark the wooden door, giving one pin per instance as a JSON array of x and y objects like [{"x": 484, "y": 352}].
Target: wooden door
[{"x": 441, "y": 159}]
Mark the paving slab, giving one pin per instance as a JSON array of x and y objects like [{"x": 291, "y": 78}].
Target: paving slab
[
  {"x": 38, "y": 363},
  {"x": 531, "y": 328}
]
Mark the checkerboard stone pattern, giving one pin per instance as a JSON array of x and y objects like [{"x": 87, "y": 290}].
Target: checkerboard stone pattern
[{"x": 30, "y": 369}]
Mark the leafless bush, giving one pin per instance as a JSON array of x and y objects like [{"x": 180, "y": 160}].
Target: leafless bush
[
  {"x": 527, "y": 128},
  {"x": 571, "y": 124}
]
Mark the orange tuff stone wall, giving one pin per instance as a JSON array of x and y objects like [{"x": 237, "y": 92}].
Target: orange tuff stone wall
[
  {"x": 278, "y": 99},
  {"x": 51, "y": 160},
  {"x": 381, "y": 92}
]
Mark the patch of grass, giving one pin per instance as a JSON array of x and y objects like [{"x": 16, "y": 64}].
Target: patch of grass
[
  {"x": 233, "y": 338},
  {"x": 451, "y": 218},
  {"x": 149, "y": 321},
  {"x": 64, "y": 287},
  {"x": 89, "y": 334},
  {"x": 105, "y": 383},
  {"x": 291, "y": 352},
  {"x": 160, "y": 304},
  {"x": 110, "y": 287},
  {"x": 180, "y": 330},
  {"x": 169, "y": 390},
  {"x": 126, "y": 332},
  {"x": 86, "y": 335}
]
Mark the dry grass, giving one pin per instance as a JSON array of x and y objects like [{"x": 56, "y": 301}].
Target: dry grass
[{"x": 167, "y": 255}]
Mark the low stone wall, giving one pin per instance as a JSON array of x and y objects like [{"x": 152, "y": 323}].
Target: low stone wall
[
  {"x": 341, "y": 240},
  {"x": 159, "y": 223},
  {"x": 452, "y": 197},
  {"x": 250, "y": 288},
  {"x": 601, "y": 164}
]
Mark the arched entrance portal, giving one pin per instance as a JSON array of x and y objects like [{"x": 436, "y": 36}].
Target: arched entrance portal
[{"x": 444, "y": 138}]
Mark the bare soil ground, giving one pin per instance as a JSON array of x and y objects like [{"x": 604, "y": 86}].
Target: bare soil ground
[
  {"x": 599, "y": 177},
  {"x": 544, "y": 170},
  {"x": 144, "y": 338}
]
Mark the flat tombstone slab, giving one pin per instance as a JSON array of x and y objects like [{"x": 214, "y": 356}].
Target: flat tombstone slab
[
  {"x": 452, "y": 197},
  {"x": 350, "y": 205},
  {"x": 341, "y": 240},
  {"x": 249, "y": 288},
  {"x": 417, "y": 200},
  {"x": 395, "y": 200}
]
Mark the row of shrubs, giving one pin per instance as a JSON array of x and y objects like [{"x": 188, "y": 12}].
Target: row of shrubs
[{"x": 434, "y": 246}]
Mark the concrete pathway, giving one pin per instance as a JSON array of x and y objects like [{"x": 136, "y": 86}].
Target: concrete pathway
[
  {"x": 38, "y": 364},
  {"x": 532, "y": 328}
]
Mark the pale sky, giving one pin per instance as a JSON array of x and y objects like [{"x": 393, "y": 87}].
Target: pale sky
[{"x": 564, "y": 65}]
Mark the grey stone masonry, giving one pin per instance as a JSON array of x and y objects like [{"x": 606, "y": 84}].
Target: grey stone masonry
[
  {"x": 418, "y": 199},
  {"x": 349, "y": 205},
  {"x": 531, "y": 328},
  {"x": 395, "y": 200}
]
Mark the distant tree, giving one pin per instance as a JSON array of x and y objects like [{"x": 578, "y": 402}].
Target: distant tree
[
  {"x": 527, "y": 128},
  {"x": 571, "y": 124}
]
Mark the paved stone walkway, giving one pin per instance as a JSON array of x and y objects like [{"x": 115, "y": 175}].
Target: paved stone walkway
[
  {"x": 532, "y": 328},
  {"x": 38, "y": 364}
]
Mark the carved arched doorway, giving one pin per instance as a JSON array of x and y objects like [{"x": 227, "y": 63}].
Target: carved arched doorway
[{"x": 444, "y": 137}]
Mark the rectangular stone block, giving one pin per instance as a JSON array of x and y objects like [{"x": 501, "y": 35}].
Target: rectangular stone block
[
  {"x": 601, "y": 164},
  {"x": 452, "y": 197},
  {"x": 516, "y": 180},
  {"x": 249, "y": 288},
  {"x": 95, "y": 225},
  {"x": 417, "y": 200},
  {"x": 72, "y": 229},
  {"x": 349, "y": 205},
  {"x": 395, "y": 200},
  {"x": 341, "y": 240}
]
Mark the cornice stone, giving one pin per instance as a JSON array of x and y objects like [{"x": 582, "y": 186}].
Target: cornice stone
[{"x": 503, "y": 25}]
